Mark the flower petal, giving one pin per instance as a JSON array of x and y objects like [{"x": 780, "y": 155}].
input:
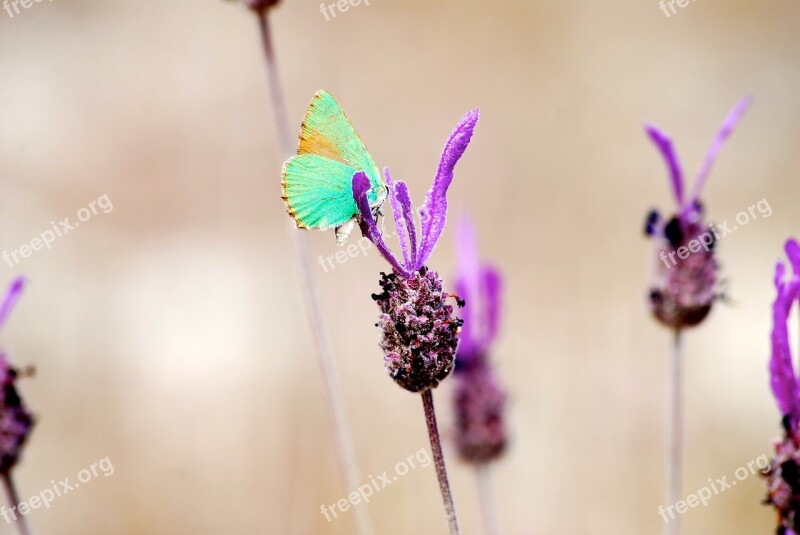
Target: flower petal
[
  {"x": 492, "y": 286},
  {"x": 664, "y": 144},
  {"x": 782, "y": 375},
  {"x": 793, "y": 252},
  {"x": 727, "y": 128},
  {"x": 361, "y": 185},
  {"x": 12, "y": 295},
  {"x": 433, "y": 214},
  {"x": 399, "y": 221},
  {"x": 468, "y": 287},
  {"x": 408, "y": 215}
]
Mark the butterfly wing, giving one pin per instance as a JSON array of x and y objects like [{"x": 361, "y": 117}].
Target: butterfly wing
[
  {"x": 318, "y": 191},
  {"x": 327, "y": 132}
]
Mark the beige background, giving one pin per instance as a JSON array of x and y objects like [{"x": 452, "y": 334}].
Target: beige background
[{"x": 170, "y": 336}]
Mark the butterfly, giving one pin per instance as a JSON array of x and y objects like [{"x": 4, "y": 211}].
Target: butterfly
[{"x": 317, "y": 182}]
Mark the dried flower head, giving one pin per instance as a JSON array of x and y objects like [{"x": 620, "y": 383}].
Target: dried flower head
[
  {"x": 479, "y": 399},
  {"x": 419, "y": 329},
  {"x": 783, "y": 478},
  {"x": 685, "y": 283},
  {"x": 16, "y": 421}
]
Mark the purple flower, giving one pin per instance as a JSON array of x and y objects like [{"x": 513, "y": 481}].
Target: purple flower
[
  {"x": 684, "y": 288},
  {"x": 419, "y": 330},
  {"x": 479, "y": 286},
  {"x": 783, "y": 477},
  {"x": 15, "y": 420},
  {"x": 479, "y": 399}
]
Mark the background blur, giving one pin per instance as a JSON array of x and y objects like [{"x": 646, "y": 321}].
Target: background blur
[{"x": 169, "y": 334}]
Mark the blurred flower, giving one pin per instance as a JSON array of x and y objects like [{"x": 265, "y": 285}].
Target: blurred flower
[
  {"x": 783, "y": 478},
  {"x": 15, "y": 420},
  {"x": 479, "y": 399},
  {"x": 684, "y": 286},
  {"x": 419, "y": 330}
]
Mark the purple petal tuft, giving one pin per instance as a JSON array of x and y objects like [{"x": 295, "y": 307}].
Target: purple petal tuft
[
  {"x": 468, "y": 287},
  {"x": 793, "y": 252},
  {"x": 479, "y": 285},
  {"x": 361, "y": 185},
  {"x": 727, "y": 128},
  {"x": 492, "y": 284},
  {"x": 408, "y": 214},
  {"x": 399, "y": 221},
  {"x": 433, "y": 214},
  {"x": 664, "y": 144},
  {"x": 12, "y": 295},
  {"x": 782, "y": 375}
]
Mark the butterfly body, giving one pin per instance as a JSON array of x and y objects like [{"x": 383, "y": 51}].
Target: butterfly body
[{"x": 317, "y": 182}]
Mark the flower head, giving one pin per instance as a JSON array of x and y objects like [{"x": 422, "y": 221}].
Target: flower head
[
  {"x": 783, "y": 477},
  {"x": 419, "y": 329},
  {"x": 479, "y": 399},
  {"x": 684, "y": 288},
  {"x": 15, "y": 420}
]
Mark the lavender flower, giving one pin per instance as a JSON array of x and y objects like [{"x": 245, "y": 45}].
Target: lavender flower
[
  {"x": 16, "y": 421},
  {"x": 783, "y": 478},
  {"x": 479, "y": 399},
  {"x": 419, "y": 329},
  {"x": 685, "y": 283}
]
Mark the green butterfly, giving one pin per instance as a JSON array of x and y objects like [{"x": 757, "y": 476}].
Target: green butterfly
[{"x": 318, "y": 182}]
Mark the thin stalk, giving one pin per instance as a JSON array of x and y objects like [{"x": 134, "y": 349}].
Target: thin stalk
[
  {"x": 675, "y": 439},
  {"x": 341, "y": 429},
  {"x": 438, "y": 460},
  {"x": 486, "y": 496},
  {"x": 13, "y": 501}
]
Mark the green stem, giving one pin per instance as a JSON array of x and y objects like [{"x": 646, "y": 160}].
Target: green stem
[{"x": 341, "y": 429}]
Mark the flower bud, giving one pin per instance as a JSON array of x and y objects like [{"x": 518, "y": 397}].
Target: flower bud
[
  {"x": 685, "y": 283},
  {"x": 479, "y": 409},
  {"x": 419, "y": 329}
]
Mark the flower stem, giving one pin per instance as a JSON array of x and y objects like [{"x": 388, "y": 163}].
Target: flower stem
[
  {"x": 341, "y": 429},
  {"x": 13, "y": 501},
  {"x": 490, "y": 525},
  {"x": 675, "y": 470},
  {"x": 438, "y": 459}
]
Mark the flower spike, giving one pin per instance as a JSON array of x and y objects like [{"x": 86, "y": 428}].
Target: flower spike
[{"x": 479, "y": 399}]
